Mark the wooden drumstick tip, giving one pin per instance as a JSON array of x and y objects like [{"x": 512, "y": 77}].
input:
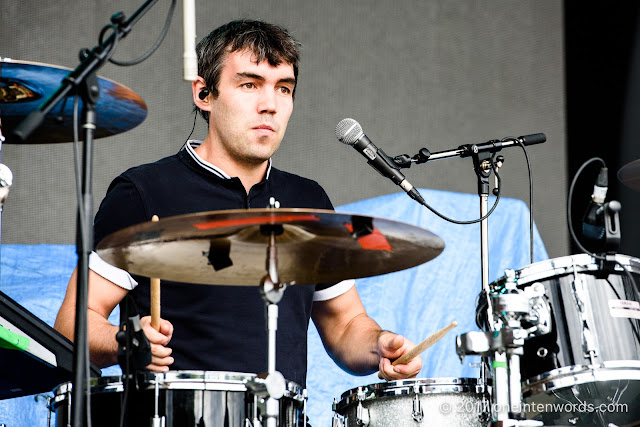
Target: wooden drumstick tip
[{"x": 415, "y": 351}]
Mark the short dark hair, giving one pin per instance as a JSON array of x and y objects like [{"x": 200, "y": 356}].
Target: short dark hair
[{"x": 266, "y": 41}]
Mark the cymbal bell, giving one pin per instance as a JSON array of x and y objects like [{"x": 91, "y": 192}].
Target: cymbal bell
[
  {"x": 230, "y": 247},
  {"x": 629, "y": 175},
  {"x": 25, "y": 85}
]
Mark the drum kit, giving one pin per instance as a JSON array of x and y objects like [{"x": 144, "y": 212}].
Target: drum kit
[{"x": 559, "y": 339}]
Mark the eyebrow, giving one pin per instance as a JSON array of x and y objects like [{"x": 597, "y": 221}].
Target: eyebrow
[{"x": 240, "y": 76}]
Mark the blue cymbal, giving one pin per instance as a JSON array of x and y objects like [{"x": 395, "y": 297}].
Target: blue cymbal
[{"x": 24, "y": 86}]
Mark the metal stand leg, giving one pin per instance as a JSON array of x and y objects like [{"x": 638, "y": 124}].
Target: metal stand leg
[{"x": 272, "y": 292}]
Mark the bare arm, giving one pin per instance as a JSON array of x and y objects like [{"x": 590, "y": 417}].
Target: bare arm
[
  {"x": 104, "y": 295},
  {"x": 356, "y": 342}
]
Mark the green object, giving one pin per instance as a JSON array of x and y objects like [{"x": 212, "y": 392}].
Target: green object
[
  {"x": 496, "y": 364},
  {"x": 13, "y": 341}
]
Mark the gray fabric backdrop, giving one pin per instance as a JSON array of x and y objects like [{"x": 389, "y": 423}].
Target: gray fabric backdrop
[{"x": 415, "y": 74}]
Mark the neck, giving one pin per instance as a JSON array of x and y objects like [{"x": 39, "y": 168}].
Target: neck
[{"x": 248, "y": 173}]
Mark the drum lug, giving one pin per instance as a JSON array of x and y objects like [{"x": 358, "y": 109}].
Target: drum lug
[
  {"x": 589, "y": 345},
  {"x": 417, "y": 413},
  {"x": 362, "y": 413}
]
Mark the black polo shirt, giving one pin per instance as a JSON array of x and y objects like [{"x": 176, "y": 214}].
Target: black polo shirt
[{"x": 217, "y": 328}]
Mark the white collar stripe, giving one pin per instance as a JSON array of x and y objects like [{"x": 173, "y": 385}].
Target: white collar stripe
[{"x": 191, "y": 144}]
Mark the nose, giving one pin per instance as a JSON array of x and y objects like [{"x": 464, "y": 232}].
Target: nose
[{"x": 267, "y": 103}]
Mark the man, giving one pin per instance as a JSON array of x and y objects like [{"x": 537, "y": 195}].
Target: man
[{"x": 248, "y": 72}]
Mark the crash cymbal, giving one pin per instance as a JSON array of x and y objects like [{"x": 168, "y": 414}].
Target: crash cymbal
[
  {"x": 230, "y": 247},
  {"x": 25, "y": 85},
  {"x": 629, "y": 175}
]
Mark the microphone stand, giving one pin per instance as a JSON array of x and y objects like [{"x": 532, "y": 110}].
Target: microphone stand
[
  {"x": 84, "y": 82},
  {"x": 483, "y": 164}
]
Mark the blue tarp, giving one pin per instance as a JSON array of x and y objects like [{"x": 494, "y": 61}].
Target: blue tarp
[{"x": 414, "y": 302}]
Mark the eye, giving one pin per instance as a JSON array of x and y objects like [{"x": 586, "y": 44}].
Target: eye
[
  {"x": 248, "y": 85},
  {"x": 284, "y": 90}
]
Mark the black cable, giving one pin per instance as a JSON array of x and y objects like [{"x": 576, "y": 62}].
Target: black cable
[
  {"x": 155, "y": 46},
  {"x": 570, "y": 199},
  {"x": 114, "y": 45},
  {"x": 526, "y": 156},
  {"x": 573, "y": 234},
  {"x": 495, "y": 204},
  {"x": 195, "y": 116}
]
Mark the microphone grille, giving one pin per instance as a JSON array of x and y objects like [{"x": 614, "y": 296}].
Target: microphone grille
[{"x": 348, "y": 131}]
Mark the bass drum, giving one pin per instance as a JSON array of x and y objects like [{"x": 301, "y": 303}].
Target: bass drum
[
  {"x": 447, "y": 402},
  {"x": 596, "y": 395},
  {"x": 183, "y": 398}
]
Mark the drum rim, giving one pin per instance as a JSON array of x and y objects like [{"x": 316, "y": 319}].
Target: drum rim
[
  {"x": 569, "y": 376},
  {"x": 439, "y": 385},
  {"x": 180, "y": 380},
  {"x": 561, "y": 266}
]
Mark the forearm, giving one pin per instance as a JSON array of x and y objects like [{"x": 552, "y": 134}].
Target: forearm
[
  {"x": 356, "y": 349},
  {"x": 103, "y": 347},
  {"x": 356, "y": 342},
  {"x": 103, "y": 297}
]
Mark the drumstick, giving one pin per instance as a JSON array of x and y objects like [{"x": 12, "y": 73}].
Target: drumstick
[
  {"x": 155, "y": 296},
  {"x": 411, "y": 354}
]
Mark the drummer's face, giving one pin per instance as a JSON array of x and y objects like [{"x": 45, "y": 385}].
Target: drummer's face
[{"x": 249, "y": 117}]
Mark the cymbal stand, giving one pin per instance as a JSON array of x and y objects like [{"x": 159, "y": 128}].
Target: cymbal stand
[{"x": 272, "y": 291}]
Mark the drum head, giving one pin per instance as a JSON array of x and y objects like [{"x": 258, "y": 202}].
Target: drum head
[{"x": 605, "y": 394}]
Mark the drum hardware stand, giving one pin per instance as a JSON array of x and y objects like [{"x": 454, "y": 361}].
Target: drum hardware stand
[
  {"x": 272, "y": 290},
  {"x": 157, "y": 420},
  {"x": 612, "y": 237},
  {"x": 483, "y": 164},
  {"x": 504, "y": 343},
  {"x": 84, "y": 82}
]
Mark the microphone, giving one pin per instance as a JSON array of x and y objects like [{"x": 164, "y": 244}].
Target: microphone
[
  {"x": 593, "y": 221},
  {"x": 190, "y": 60},
  {"x": 350, "y": 132}
]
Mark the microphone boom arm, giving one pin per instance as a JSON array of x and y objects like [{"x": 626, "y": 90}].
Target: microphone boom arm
[{"x": 404, "y": 161}]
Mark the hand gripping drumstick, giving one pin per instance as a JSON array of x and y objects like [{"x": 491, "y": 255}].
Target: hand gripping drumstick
[
  {"x": 155, "y": 296},
  {"x": 411, "y": 354}
]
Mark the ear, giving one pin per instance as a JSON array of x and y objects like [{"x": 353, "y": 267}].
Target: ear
[{"x": 196, "y": 88}]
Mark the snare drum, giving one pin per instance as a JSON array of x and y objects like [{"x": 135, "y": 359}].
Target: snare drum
[
  {"x": 425, "y": 401},
  {"x": 183, "y": 398}
]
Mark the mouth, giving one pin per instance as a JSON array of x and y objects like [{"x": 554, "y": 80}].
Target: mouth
[{"x": 264, "y": 127}]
